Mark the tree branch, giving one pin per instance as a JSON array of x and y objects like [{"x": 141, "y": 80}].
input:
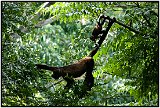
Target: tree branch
[{"x": 131, "y": 29}]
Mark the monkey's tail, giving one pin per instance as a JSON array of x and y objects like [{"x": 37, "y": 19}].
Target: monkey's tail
[
  {"x": 41, "y": 66},
  {"x": 94, "y": 51}
]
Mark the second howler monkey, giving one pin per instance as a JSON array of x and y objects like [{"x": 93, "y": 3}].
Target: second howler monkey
[
  {"x": 98, "y": 28},
  {"x": 73, "y": 71}
]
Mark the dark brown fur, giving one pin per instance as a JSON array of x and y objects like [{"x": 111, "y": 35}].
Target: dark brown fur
[
  {"x": 97, "y": 30},
  {"x": 73, "y": 71}
]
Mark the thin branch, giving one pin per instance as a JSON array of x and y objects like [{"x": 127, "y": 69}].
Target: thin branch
[{"x": 128, "y": 27}]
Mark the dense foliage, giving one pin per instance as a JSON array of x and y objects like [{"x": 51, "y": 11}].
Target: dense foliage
[{"x": 126, "y": 69}]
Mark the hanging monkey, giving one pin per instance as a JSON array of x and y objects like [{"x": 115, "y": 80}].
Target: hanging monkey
[
  {"x": 98, "y": 28},
  {"x": 73, "y": 71}
]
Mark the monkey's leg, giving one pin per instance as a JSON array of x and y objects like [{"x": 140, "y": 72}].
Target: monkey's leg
[
  {"x": 89, "y": 79},
  {"x": 87, "y": 85}
]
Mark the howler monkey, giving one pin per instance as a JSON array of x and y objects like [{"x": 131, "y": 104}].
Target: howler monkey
[
  {"x": 98, "y": 28},
  {"x": 73, "y": 71}
]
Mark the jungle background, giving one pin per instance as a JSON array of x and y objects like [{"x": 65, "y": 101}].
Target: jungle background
[{"x": 58, "y": 34}]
